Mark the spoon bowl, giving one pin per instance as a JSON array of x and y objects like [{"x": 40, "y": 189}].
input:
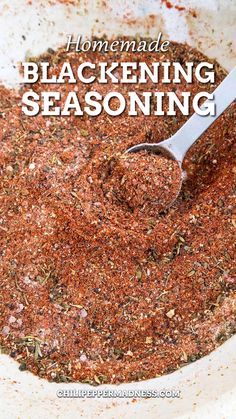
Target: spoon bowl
[
  {"x": 161, "y": 149},
  {"x": 155, "y": 148}
]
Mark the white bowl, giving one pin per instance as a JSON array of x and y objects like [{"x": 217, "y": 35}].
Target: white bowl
[{"x": 207, "y": 386}]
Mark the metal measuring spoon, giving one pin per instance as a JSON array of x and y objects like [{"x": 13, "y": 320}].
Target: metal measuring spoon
[{"x": 177, "y": 146}]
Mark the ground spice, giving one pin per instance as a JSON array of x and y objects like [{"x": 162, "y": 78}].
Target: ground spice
[
  {"x": 145, "y": 182},
  {"x": 90, "y": 291}
]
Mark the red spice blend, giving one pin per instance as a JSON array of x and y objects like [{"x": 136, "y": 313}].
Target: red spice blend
[
  {"x": 95, "y": 290},
  {"x": 143, "y": 181}
]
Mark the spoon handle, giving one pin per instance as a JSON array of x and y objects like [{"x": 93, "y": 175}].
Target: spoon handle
[{"x": 186, "y": 136}]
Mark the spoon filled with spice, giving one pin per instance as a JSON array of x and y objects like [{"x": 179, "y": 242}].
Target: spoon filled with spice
[{"x": 171, "y": 153}]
